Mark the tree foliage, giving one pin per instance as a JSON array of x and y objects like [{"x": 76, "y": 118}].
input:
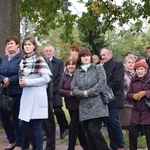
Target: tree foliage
[
  {"x": 101, "y": 16},
  {"x": 129, "y": 43},
  {"x": 50, "y": 14},
  {"x": 10, "y": 21}
]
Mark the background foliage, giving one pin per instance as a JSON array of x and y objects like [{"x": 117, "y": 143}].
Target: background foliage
[
  {"x": 104, "y": 23},
  {"x": 91, "y": 27}
]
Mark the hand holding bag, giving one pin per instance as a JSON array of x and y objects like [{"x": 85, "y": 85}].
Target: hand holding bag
[{"x": 7, "y": 103}]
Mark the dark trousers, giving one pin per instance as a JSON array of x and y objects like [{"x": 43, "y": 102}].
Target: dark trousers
[
  {"x": 96, "y": 140},
  {"x": 76, "y": 129},
  {"x": 61, "y": 118},
  {"x": 26, "y": 142},
  {"x": 134, "y": 131},
  {"x": 49, "y": 127},
  {"x": 114, "y": 129},
  {"x": 11, "y": 124},
  {"x": 33, "y": 129}
]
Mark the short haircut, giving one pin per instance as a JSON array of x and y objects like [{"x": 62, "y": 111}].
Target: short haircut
[
  {"x": 71, "y": 59},
  {"x": 127, "y": 58},
  {"x": 107, "y": 49},
  {"x": 83, "y": 52},
  {"x": 128, "y": 53},
  {"x": 50, "y": 46},
  {"x": 74, "y": 48},
  {"x": 148, "y": 48},
  {"x": 12, "y": 38},
  {"x": 140, "y": 58}
]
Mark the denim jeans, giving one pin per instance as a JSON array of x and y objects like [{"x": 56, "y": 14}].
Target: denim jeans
[
  {"x": 114, "y": 129},
  {"x": 11, "y": 124},
  {"x": 33, "y": 129}
]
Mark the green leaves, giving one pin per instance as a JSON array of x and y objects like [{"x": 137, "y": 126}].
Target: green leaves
[{"x": 101, "y": 16}]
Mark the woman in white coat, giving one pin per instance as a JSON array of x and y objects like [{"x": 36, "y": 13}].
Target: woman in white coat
[{"x": 34, "y": 76}]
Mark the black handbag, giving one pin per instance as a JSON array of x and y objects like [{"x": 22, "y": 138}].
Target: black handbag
[
  {"x": 107, "y": 95},
  {"x": 7, "y": 103},
  {"x": 147, "y": 101}
]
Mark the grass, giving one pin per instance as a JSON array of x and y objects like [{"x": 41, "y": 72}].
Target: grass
[{"x": 141, "y": 141}]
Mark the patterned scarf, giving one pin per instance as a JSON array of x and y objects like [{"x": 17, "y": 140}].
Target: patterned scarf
[
  {"x": 33, "y": 64},
  {"x": 12, "y": 55}
]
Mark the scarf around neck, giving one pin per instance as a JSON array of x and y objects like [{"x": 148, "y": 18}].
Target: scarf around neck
[
  {"x": 85, "y": 66},
  {"x": 12, "y": 55},
  {"x": 33, "y": 64}
]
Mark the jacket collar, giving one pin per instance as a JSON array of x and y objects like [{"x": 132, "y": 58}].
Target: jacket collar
[
  {"x": 54, "y": 59},
  {"x": 147, "y": 76},
  {"x": 108, "y": 63}
]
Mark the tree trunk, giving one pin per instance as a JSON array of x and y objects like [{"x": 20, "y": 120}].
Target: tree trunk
[{"x": 9, "y": 21}]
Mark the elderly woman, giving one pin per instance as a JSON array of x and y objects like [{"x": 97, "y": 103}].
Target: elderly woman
[
  {"x": 87, "y": 84},
  {"x": 9, "y": 79},
  {"x": 129, "y": 72},
  {"x": 140, "y": 112}
]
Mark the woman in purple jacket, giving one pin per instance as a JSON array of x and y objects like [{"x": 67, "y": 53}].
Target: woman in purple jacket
[
  {"x": 140, "y": 113},
  {"x": 64, "y": 88}
]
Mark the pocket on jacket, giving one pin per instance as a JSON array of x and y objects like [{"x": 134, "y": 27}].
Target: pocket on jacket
[{"x": 41, "y": 100}]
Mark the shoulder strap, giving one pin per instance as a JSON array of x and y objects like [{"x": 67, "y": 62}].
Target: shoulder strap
[
  {"x": 97, "y": 67},
  {"x": 145, "y": 84}
]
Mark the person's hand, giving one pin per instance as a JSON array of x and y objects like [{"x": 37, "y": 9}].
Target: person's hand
[
  {"x": 71, "y": 93},
  {"x": 136, "y": 96},
  {"x": 85, "y": 94},
  {"x": 6, "y": 81},
  {"x": 141, "y": 94},
  {"x": 22, "y": 83}
]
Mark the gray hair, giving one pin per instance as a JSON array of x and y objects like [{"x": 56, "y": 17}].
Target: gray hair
[
  {"x": 50, "y": 46},
  {"x": 127, "y": 58},
  {"x": 107, "y": 49}
]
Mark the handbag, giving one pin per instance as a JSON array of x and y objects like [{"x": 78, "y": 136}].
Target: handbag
[
  {"x": 107, "y": 93},
  {"x": 147, "y": 101},
  {"x": 7, "y": 103}
]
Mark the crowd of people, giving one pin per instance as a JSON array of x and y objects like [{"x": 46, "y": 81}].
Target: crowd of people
[{"x": 39, "y": 82}]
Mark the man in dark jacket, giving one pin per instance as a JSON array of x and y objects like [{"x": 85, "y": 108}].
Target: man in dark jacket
[
  {"x": 49, "y": 124},
  {"x": 148, "y": 56},
  {"x": 115, "y": 76},
  {"x": 58, "y": 68}
]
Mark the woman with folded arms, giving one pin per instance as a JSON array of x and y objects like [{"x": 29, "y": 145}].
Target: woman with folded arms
[{"x": 87, "y": 85}]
